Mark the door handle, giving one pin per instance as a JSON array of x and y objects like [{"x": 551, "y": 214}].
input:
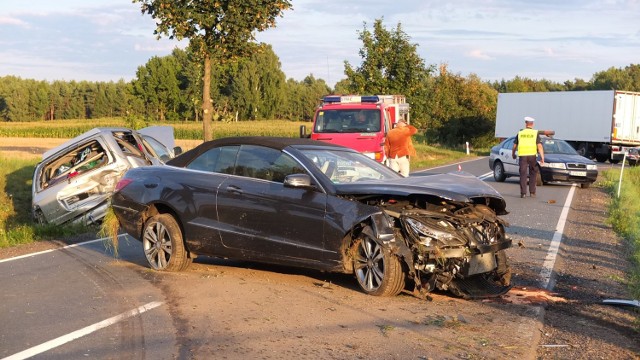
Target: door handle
[{"x": 234, "y": 189}]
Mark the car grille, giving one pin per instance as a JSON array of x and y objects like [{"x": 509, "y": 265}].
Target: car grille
[{"x": 572, "y": 166}]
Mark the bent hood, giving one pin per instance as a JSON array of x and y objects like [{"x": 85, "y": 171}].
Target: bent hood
[{"x": 456, "y": 186}]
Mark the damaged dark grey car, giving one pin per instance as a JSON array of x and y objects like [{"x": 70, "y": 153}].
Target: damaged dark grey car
[
  {"x": 74, "y": 181},
  {"x": 300, "y": 202}
]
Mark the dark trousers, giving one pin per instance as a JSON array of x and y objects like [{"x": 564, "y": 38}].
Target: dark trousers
[{"x": 528, "y": 164}]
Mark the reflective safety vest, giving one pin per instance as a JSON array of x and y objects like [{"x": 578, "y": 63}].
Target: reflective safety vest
[{"x": 527, "y": 142}]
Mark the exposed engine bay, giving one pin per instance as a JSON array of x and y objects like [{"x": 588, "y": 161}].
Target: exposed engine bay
[{"x": 450, "y": 246}]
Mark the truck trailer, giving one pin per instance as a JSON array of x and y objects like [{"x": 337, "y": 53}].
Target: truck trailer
[{"x": 599, "y": 124}]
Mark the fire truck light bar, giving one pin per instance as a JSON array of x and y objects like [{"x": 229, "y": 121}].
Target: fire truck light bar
[{"x": 351, "y": 99}]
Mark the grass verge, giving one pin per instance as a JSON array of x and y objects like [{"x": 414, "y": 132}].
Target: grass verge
[
  {"x": 624, "y": 217},
  {"x": 16, "y": 225}
]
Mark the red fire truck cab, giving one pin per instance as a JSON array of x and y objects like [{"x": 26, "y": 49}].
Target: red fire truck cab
[{"x": 358, "y": 122}]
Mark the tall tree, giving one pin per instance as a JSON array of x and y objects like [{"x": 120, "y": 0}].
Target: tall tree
[
  {"x": 258, "y": 86},
  {"x": 390, "y": 65},
  {"x": 220, "y": 29},
  {"x": 157, "y": 84}
]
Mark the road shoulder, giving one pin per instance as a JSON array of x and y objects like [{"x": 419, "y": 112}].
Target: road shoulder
[{"x": 590, "y": 268}]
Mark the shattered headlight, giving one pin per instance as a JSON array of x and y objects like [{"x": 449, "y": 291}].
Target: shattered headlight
[{"x": 429, "y": 236}]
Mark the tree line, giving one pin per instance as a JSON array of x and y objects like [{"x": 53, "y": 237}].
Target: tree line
[{"x": 448, "y": 107}]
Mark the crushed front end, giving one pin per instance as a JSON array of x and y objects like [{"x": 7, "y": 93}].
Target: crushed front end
[{"x": 453, "y": 246}]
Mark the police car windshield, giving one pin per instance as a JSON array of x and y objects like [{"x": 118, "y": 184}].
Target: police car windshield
[
  {"x": 553, "y": 146},
  {"x": 348, "y": 121}
]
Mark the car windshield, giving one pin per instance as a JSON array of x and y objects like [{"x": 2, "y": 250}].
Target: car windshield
[
  {"x": 346, "y": 167},
  {"x": 553, "y": 146},
  {"x": 347, "y": 121}
]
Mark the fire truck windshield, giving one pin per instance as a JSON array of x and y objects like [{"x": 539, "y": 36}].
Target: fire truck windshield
[{"x": 347, "y": 121}]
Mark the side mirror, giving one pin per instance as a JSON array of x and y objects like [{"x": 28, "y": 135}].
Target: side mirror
[
  {"x": 177, "y": 151},
  {"x": 298, "y": 181}
]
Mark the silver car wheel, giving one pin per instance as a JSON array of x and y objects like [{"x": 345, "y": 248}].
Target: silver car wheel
[
  {"x": 369, "y": 265},
  {"x": 157, "y": 245},
  {"x": 377, "y": 270}
]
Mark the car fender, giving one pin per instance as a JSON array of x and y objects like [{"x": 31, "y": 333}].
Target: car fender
[{"x": 385, "y": 235}]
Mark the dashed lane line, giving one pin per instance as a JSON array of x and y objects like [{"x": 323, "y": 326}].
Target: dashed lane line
[
  {"x": 51, "y": 344},
  {"x": 52, "y": 250}
]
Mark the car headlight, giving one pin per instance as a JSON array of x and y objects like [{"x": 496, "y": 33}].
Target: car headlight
[
  {"x": 430, "y": 236},
  {"x": 592, "y": 167},
  {"x": 555, "y": 165}
]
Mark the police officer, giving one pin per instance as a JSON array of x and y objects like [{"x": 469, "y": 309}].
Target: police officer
[{"x": 527, "y": 144}]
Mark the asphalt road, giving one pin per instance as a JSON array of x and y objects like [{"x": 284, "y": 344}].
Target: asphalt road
[{"x": 80, "y": 302}]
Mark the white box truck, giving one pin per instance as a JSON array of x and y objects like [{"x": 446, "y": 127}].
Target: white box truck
[{"x": 599, "y": 124}]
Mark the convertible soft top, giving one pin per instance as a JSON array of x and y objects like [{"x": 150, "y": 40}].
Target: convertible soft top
[{"x": 279, "y": 143}]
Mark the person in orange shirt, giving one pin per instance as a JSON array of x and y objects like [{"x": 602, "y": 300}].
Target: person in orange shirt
[{"x": 398, "y": 147}]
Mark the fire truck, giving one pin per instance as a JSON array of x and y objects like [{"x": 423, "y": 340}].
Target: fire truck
[{"x": 358, "y": 122}]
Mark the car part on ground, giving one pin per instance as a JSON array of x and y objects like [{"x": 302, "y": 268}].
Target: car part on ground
[
  {"x": 74, "y": 181},
  {"x": 300, "y": 202},
  {"x": 562, "y": 164}
]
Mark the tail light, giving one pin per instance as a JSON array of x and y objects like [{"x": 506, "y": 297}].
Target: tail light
[{"x": 123, "y": 183}]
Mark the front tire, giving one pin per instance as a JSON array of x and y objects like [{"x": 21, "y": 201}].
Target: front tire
[
  {"x": 163, "y": 245},
  {"x": 378, "y": 272},
  {"x": 498, "y": 172}
]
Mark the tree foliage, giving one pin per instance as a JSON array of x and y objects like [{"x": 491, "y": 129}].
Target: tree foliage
[
  {"x": 221, "y": 30},
  {"x": 390, "y": 65},
  {"x": 461, "y": 109}
]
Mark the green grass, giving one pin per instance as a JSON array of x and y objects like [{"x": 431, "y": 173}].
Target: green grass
[
  {"x": 624, "y": 217},
  {"x": 16, "y": 225}
]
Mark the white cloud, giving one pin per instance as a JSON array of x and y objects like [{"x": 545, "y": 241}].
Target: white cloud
[
  {"x": 479, "y": 54},
  {"x": 6, "y": 20}
]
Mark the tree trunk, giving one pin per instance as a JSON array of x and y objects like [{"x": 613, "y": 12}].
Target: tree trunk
[{"x": 207, "y": 107}]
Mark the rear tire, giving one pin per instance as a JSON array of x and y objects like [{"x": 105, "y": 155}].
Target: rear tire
[
  {"x": 498, "y": 172},
  {"x": 163, "y": 245},
  {"x": 378, "y": 272},
  {"x": 601, "y": 157},
  {"x": 585, "y": 185}
]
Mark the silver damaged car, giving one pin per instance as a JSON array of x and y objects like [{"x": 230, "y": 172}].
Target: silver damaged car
[{"x": 74, "y": 181}]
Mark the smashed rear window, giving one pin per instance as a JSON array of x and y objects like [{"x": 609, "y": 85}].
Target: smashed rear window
[{"x": 77, "y": 161}]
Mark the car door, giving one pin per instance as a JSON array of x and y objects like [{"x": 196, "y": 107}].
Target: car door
[
  {"x": 208, "y": 172},
  {"x": 261, "y": 218},
  {"x": 510, "y": 164}
]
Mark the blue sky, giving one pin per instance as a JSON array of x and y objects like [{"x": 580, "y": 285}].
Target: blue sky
[{"x": 102, "y": 40}]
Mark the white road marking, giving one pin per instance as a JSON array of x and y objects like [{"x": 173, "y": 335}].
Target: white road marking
[
  {"x": 485, "y": 176},
  {"x": 56, "y": 249},
  {"x": 46, "y": 346},
  {"x": 454, "y": 163},
  {"x": 550, "y": 260}
]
